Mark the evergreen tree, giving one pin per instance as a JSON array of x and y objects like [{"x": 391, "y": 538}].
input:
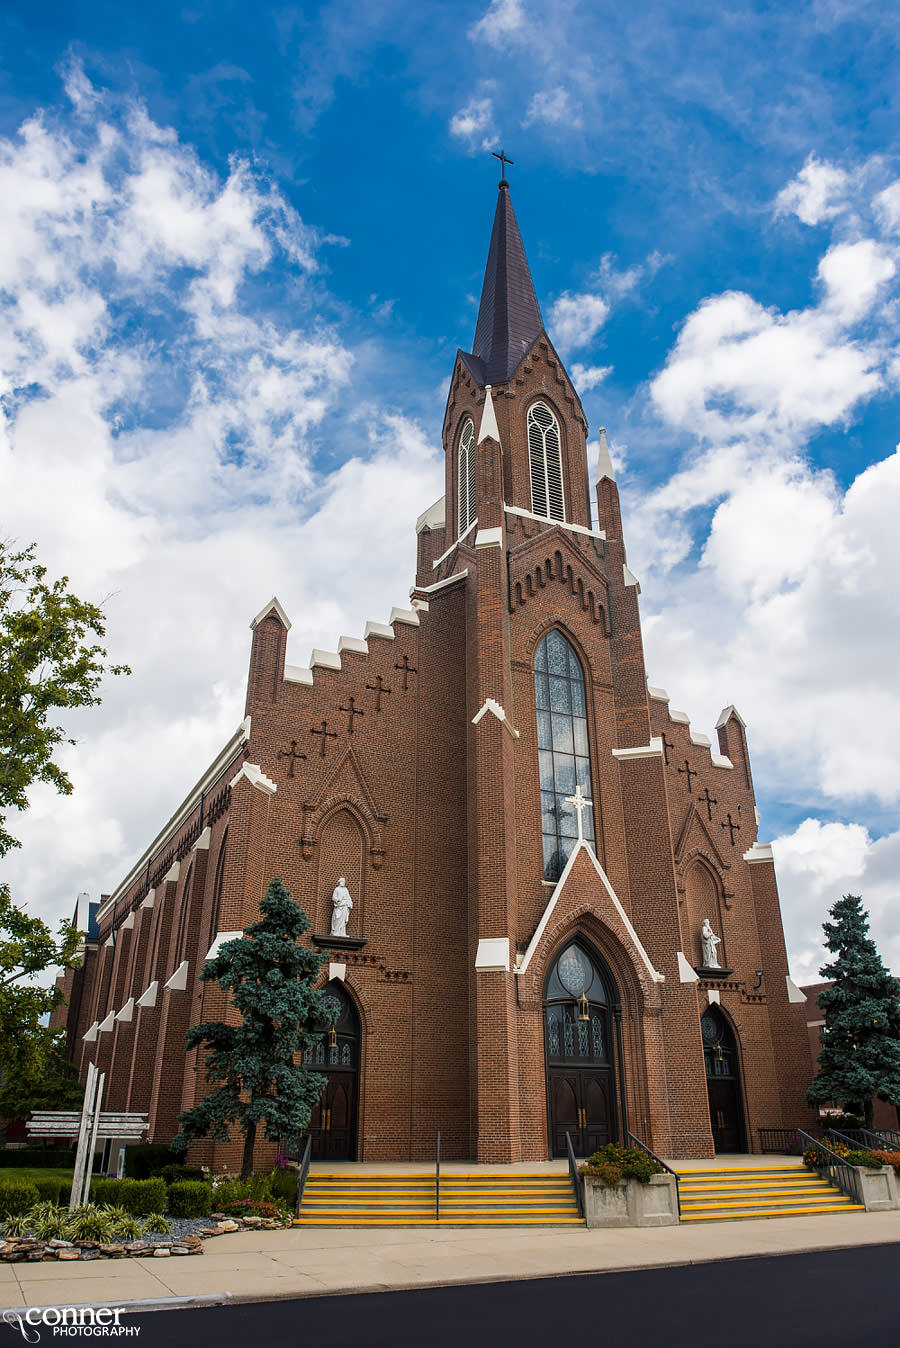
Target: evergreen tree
[
  {"x": 251, "y": 1065},
  {"x": 860, "y": 1054}
]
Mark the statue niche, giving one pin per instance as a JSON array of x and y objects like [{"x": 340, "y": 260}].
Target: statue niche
[
  {"x": 341, "y": 872},
  {"x": 702, "y": 919}
]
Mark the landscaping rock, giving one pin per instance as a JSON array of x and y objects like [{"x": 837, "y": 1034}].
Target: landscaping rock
[
  {"x": 70, "y": 1253},
  {"x": 229, "y": 1225},
  {"x": 161, "y": 1252},
  {"x": 57, "y": 1244},
  {"x": 33, "y": 1256},
  {"x": 90, "y": 1254},
  {"x": 113, "y": 1251},
  {"x": 252, "y": 1221}
]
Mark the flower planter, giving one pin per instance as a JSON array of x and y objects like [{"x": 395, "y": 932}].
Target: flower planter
[
  {"x": 878, "y": 1188},
  {"x": 630, "y": 1203}
]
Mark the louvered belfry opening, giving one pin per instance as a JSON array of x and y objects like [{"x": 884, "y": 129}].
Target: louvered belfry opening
[
  {"x": 466, "y": 477},
  {"x": 545, "y": 457}
]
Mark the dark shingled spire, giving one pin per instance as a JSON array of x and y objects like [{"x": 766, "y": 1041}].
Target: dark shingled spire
[{"x": 509, "y": 319}]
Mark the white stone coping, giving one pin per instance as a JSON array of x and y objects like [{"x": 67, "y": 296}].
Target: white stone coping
[
  {"x": 202, "y": 843},
  {"x": 652, "y": 750},
  {"x": 657, "y": 694},
  {"x": 489, "y": 538},
  {"x": 759, "y": 853},
  {"x": 492, "y": 955},
  {"x": 702, "y": 741},
  {"x": 793, "y": 992},
  {"x": 721, "y": 761},
  {"x": 178, "y": 981},
  {"x": 355, "y": 644},
  {"x": 405, "y": 615},
  {"x": 435, "y": 517},
  {"x": 562, "y": 524},
  {"x": 686, "y": 972},
  {"x": 298, "y": 674},
  {"x": 128, "y": 924},
  {"x": 148, "y": 899},
  {"x": 256, "y": 777},
  {"x": 489, "y": 428},
  {"x": 377, "y": 630},
  {"x": 90, "y": 1035},
  {"x": 630, "y": 578},
  {"x": 127, "y": 1012},
  {"x": 491, "y": 704},
  {"x": 325, "y": 659},
  {"x": 107, "y": 1023},
  {"x": 172, "y": 874},
  {"x": 726, "y": 713},
  {"x": 148, "y": 997},
  {"x": 185, "y": 809},
  {"x": 455, "y": 544},
  {"x": 680, "y": 716},
  {"x": 221, "y": 938},
  {"x": 273, "y": 606},
  {"x": 442, "y": 584}
]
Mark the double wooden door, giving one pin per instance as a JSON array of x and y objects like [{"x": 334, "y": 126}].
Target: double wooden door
[
  {"x": 581, "y": 1104},
  {"x": 725, "y": 1114},
  {"x": 332, "y": 1124}
]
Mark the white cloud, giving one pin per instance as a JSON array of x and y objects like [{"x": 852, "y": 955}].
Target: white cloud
[
  {"x": 474, "y": 124},
  {"x": 817, "y": 193},
  {"x": 587, "y": 377},
  {"x": 853, "y": 275},
  {"x": 576, "y": 319},
  {"x": 502, "y": 20},
  {"x": 553, "y": 107}
]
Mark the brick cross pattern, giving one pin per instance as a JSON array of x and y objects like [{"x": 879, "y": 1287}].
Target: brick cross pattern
[
  {"x": 351, "y": 711},
  {"x": 326, "y": 735},
  {"x": 732, "y": 828},
  {"x": 378, "y": 687},
  {"x": 690, "y": 773},
  {"x": 667, "y": 745},
  {"x": 407, "y": 670},
  {"x": 293, "y": 754},
  {"x": 709, "y": 801}
]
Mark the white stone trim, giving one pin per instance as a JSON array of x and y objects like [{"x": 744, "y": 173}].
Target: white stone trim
[
  {"x": 220, "y": 939},
  {"x": 186, "y": 808},
  {"x": 562, "y": 524},
  {"x": 256, "y": 777},
  {"x": 378, "y": 630},
  {"x": 337, "y": 972},
  {"x": 489, "y": 538},
  {"x": 686, "y": 971},
  {"x": 273, "y": 606},
  {"x": 109, "y": 942},
  {"x": 127, "y": 1012},
  {"x": 581, "y": 845},
  {"x": 202, "y": 843},
  {"x": 712, "y": 997},
  {"x": 492, "y": 705},
  {"x": 435, "y": 517},
  {"x": 793, "y": 992},
  {"x": 298, "y": 674},
  {"x": 489, "y": 428},
  {"x": 128, "y": 924},
  {"x": 455, "y": 544},
  {"x": 702, "y": 741},
  {"x": 442, "y": 584},
  {"x": 604, "y": 459},
  {"x": 727, "y": 712},
  {"x": 147, "y": 901},
  {"x": 148, "y": 997},
  {"x": 90, "y": 1035},
  {"x": 325, "y": 659},
  {"x": 630, "y": 578},
  {"x": 758, "y": 853},
  {"x": 178, "y": 981},
  {"x": 815, "y": 1024},
  {"x": 721, "y": 761},
  {"x": 404, "y": 615},
  {"x": 657, "y": 694},
  {"x": 652, "y": 750},
  {"x": 107, "y": 1023},
  {"x": 680, "y": 716},
  {"x": 172, "y": 874},
  {"x": 492, "y": 955},
  {"x": 352, "y": 644}
]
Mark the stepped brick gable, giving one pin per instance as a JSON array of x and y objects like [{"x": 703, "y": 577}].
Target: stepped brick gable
[{"x": 532, "y": 838}]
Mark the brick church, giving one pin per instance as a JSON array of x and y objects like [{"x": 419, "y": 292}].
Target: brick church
[{"x": 562, "y": 920}]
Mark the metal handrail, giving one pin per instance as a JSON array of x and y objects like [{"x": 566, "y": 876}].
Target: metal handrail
[
  {"x": 303, "y": 1172},
  {"x": 437, "y": 1180},
  {"x": 840, "y": 1172},
  {"x": 642, "y": 1146},
  {"x": 574, "y": 1175}
]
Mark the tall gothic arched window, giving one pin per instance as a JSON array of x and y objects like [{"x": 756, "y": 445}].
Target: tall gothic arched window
[
  {"x": 545, "y": 458},
  {"x": 563, "y": 753},
  {"x": 466, "y": 476}
]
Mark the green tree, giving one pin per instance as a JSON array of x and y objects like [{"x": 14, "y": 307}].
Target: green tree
[
  {"x": 50, "y": 661},
  {"x": 251, "y": 1065},
  {"x": 860, "y": 1055}
]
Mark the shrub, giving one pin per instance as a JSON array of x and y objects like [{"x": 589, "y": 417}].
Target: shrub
[
  {"x": 14, "y": 1227},
  {"x": 228, "y": 1191},
  {"x": 284, "y": 1186},
  {"x": 51, "y": 1190},
  {"x": 124, "y": 1225},
  {"x": 141, "y": 1197},
  {"x": 171, "y": 1173},
  {"x": 190, "y": 1198},
  {"x": 157, "y": 1225},
  {"x": 91, "y": 1222},
  {"x": 30, "y": 1157},
  {"x": 864, "y": 1158},
  {"x": 106, "y": 1191},
  {"x": 613, "y": 1163},
  {"x": 16, "y": 1197},
  {"x": 48, "y": 1222}
]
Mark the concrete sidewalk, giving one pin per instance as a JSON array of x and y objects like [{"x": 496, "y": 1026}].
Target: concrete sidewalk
[{"x": 267, "y": 1265}]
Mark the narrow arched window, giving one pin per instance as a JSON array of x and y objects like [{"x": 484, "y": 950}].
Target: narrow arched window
[
  {"x": 563, "y": 753},
  {"x": 545, "y": 458},
  {"x": 466, "y": 476}
]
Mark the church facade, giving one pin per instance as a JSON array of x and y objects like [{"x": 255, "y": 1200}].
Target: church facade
[{"x": 542, "y": 898}]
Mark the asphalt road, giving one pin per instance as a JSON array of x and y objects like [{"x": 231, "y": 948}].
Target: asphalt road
[{"x": 831, "y": 1299}]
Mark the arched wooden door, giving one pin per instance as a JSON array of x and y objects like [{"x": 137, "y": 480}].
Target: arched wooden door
[
  {"x": 578, "y": 1040},
  {"x": 332, "y": 1125},
  {"x": 723, "y": 1081}
]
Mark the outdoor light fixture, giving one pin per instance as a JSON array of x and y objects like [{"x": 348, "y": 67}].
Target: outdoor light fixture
[
  {"x": 759, "y": 977},
  {"x": 584, "y": 1009},
  {"x": 332, "y": 1038}
]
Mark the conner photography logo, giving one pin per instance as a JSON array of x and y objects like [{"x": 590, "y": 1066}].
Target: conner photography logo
[{"x": 70, "y": 1321}]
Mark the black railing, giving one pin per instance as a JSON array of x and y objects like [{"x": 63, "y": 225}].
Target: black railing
[
  {"x": 642, "y": 1146},
  {"x": 785, "y": 1140},
  {"x": 840, "y": 1172},
  {"x": 303, "y": 1172},
  {"x": 872, "y": 1139},
  {"x": 437, "y": 1180},
  {"x": 574, "y": 1175}
]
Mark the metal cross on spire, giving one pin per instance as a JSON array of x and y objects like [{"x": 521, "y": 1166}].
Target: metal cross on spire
[
  {"x": 579, "y": 803},
  {"x": 503, "y": 163}
]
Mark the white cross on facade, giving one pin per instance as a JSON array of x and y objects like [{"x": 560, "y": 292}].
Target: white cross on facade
[{"x": 579, "y": 803}]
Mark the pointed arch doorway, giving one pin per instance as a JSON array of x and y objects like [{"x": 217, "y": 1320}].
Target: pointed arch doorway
[
  {"x": 579, "y": 1005},
  {"x": 723, "y": 1082},
  {"x": 333, "y": 1122}
]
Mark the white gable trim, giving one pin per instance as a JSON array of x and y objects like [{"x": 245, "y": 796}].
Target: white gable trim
[
  {"x": 492, "y": 705},
  {"x": 273, "y": 606}
]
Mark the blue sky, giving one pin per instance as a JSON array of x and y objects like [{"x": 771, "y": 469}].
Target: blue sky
[{"x": 242, "y": 245}]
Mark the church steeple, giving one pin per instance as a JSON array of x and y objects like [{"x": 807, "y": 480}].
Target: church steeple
[{"x": 509, "y": 319}]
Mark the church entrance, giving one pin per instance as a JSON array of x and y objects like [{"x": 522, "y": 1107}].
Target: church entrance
[
  {"x": 580, "y": 1074},
  {"x": 723, "y": 1081},
  {"x": 332, "y": 1125}
]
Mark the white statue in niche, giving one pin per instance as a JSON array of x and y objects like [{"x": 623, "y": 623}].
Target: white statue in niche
[
  {"x": 342, "y": 903},
  {"x": 709, "y": 940}
]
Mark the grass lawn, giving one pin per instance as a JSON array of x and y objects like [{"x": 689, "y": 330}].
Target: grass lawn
[{"x": 15, "y": 1172}]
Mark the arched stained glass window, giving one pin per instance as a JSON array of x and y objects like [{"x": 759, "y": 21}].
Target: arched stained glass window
[
  {"x": 563, "y": 753},
  {"x": 545, "y": 458},
  {"x": 466, "y": 476}
]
